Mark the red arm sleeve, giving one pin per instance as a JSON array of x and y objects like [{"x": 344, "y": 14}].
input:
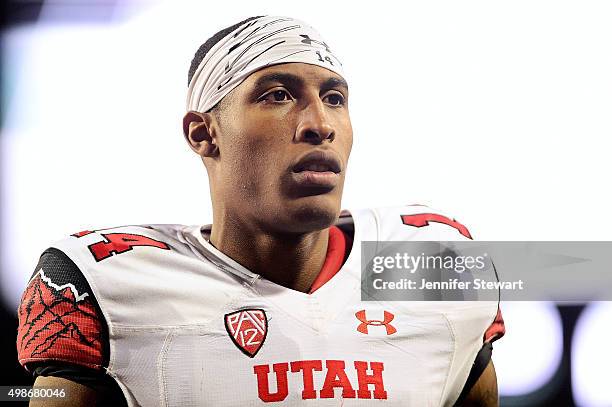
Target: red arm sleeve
[{"x": 59, "y": 319}]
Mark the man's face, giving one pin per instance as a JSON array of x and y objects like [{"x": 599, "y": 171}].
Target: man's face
[{"x": 284, "y": 139}]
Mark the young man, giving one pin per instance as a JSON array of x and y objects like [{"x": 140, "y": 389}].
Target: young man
[{"x": 264, "y": 305}]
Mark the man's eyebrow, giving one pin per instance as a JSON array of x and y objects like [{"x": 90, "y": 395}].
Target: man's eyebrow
[
  {"x": 284, "y": 78},
  {"x": 334, "y": 83}
]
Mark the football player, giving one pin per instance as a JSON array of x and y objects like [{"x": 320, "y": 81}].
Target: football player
[{"x": 264, "y": 306}]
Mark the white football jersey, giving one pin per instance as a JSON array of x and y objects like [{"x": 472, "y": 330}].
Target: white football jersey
[{"x": 188, "y": 326}]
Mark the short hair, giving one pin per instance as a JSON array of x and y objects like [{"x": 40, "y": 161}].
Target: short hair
[{"x": 204, "y": 48}]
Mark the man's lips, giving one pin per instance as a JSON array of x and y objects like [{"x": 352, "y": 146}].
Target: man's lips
[
  {"x": 319, "y": 161},
  {"x": 325, "y": 179},
  {"x": 319, "y": 168}
]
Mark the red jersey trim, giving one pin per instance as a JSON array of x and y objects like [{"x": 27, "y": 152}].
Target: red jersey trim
[
  {"x": 496, "y": 330},
  {"x": 336, "y": 250}
]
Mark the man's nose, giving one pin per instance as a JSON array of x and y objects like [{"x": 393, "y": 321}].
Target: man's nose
[{"x": 314, "y": 126}]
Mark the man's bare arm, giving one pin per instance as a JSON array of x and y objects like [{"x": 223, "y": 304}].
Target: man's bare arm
[
  {"x": 484, "y": 392},
  {"x": 77, "y": 395}
]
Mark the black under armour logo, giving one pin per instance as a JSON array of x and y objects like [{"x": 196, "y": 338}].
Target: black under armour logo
[{"x": 309, "y": 41}]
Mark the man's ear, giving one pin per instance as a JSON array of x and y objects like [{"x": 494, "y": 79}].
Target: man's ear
[{"x": 197, "y": 132}]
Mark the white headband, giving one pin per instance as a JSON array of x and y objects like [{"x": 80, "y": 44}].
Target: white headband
[{"x": 256, "y": 44}]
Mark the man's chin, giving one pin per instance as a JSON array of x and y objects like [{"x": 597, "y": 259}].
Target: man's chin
[{"x": 311, "y": 213}]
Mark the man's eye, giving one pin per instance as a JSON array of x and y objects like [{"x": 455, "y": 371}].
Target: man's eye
[
  {"x": 276, "y": 96},
  {"x": 334, "y": 99}
]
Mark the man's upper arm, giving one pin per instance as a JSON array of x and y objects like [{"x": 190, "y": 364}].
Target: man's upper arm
[
  {"x": 481, "y": 383},
  {"x": 480, "y": 388},
  {"x": 76, "y": 394},
  {"x": 484, "y": 392},
  {"x": 59, "y": 319},
  {"x": 62, "y": 336}
]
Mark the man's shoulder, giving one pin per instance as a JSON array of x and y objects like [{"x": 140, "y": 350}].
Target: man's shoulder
[
  {"x": 62, "y": 332},
  {"x": 114, "y": 233},
  {"x": 408, "y": 222},
  {"x": 91, "y": 247},
  {"x": 130, "y": 268}
]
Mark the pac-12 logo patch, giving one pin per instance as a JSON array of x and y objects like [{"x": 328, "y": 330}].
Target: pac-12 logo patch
[{"x": 248, "y": 329}]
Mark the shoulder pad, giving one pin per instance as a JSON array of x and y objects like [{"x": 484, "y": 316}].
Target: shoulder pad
[
  {"x": 132, "y": 241},
  {"x": 419, "y": 222}
]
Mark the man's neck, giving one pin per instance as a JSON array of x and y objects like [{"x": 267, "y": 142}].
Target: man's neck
[{"x": 290, "y": 260}]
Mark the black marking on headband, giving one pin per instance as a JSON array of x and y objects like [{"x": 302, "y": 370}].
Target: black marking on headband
[
  {"x": 280, "y": 20},
  {"x": 309, "y": 41},
  {"x": 229, "y": 65},
  {"x": 252, "y": 59},
  {"x": 263, "y": 52}
]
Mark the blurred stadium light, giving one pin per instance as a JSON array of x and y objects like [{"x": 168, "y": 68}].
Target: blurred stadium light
[
  {"x": 534, "y": 341},
  {"x": 591, "y": 356}
]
